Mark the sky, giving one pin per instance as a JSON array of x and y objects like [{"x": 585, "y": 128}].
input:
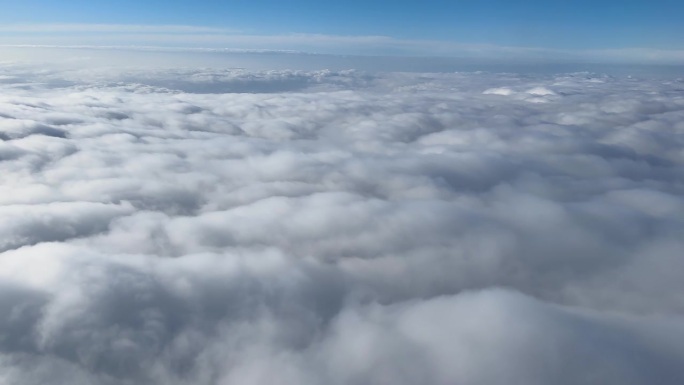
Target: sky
[{"x": 270, "y": 24}]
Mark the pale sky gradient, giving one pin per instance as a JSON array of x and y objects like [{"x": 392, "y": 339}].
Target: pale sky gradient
[{"x": 525, "y": 28}]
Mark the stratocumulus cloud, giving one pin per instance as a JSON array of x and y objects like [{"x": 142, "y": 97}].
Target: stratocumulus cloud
[{"x": 340, "y": 227}]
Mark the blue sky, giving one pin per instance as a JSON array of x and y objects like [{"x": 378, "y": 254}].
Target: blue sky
[{"x": 551, "y": 24}]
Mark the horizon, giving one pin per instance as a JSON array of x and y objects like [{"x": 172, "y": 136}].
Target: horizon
[{"x": 615, "y": 31}]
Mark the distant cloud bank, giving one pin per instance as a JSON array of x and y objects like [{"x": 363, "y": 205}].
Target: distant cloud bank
[
  {"x": 186, "y": 226},
  {"x": 193, "y": 37}
]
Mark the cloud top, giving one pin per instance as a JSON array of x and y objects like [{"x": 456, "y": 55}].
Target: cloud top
[{"x": 188, "y": 226}]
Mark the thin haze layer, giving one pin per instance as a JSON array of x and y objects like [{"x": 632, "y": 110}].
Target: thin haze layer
[{"x": 340, "y": 227}]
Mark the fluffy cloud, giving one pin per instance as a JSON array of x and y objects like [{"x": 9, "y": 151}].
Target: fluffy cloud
[{"x": 342, "y": 227}]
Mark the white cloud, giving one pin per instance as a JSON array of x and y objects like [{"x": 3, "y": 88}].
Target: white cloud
[
  {"x": 185, "y": 37},
  {"x": 199, "y": 226},
  {"x": 109, "y": 28}
]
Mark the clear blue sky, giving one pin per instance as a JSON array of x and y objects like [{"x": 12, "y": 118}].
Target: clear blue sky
[{"x": 562, "y": 24}]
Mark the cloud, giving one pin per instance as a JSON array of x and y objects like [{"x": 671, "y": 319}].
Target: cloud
[
  {"x": 234, "y": 226},
  {"x": 108, "y": 28},
  {"x": 211, "y": 39}
]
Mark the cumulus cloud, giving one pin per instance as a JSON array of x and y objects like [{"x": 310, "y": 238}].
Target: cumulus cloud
[{"x": 190, "y": 226}]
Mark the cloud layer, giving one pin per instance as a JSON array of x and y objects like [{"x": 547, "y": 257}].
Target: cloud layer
[
  {"x": 193, "y": 38},
  {"x": 340, "y": 227}
]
